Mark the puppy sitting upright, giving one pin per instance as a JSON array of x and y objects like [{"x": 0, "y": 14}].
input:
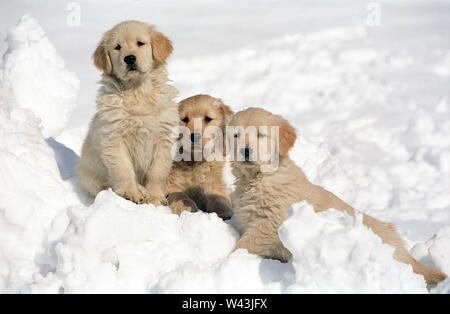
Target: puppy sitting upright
[
  {"x": 261, "y": 199},
  {"x": 128, "y": 147},
  {"x": 197, "y": 183}
]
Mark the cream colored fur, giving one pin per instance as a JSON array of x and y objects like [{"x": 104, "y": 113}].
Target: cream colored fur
[
  {"x": 261, "y": 200},
  {"x": 199, "y": 185},
  {"x": 195, "y": 185},
  {"x": 128, "y": 146}
]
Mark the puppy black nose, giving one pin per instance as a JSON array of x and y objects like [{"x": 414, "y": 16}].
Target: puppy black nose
[
  {"x": 246, "y": 152},
  {"x": 131, "y": 59},
  {"x": 195, "y": 137}
]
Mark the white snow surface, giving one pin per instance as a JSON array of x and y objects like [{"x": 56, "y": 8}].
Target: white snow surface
[
  {"x": 351, "y": 112},
  {"x": 31, "y": 63}
]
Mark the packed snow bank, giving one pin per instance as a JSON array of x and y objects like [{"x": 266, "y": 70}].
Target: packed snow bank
[
  {"x": 332, "y": 253},
  {"x": 436, "y": 252},
  {"x": 37, "y": 77},
  {"x": 442, "y": 288},
  {"x": 33, "y": 196},
  {"x": 118, "y": 246},
  {"x": 33, "y": 199},
  {"x": 336, "y": 253},
  {"x": 321, "y": 168}
]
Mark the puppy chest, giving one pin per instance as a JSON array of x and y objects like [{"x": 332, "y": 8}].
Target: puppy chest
[
  {"x": 246, "y": 204},
  {"x": 140, "y": 137},
  {"x": 193, "y": 175}
]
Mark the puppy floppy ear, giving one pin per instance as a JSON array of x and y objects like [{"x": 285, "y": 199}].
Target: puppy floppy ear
[
  {"x": 287, "y": 137},
  {"x": 161, "y": 47},
  {"x": 227, "y": 115},
  {"x": 226, "y": 110},
  {"x": 101, "y": 58}
]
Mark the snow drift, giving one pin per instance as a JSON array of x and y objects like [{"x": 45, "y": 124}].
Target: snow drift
[
  {"x": 33, "y": 199},
  {"x": 36, "y": 76},
  {"x": 53, "y": 239}
]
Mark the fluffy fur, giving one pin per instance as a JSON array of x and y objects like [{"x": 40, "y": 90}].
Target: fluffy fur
[
  {"x": 195, "y": 185},
  {"x": 128, "y": 146},
  {"x": 261, "y": 200}
]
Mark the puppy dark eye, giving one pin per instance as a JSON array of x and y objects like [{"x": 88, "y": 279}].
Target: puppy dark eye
[
  {"x": 207, "y": 119},
  {"x": 140, "y": 43},
  {"x": 185, "y": 119},
  {"x": 118, "y": 47}
]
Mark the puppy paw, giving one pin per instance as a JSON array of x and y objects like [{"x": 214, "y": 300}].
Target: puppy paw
[
  {"x": 181, "y": 206},
  {"x": 156, "y": 194},
  {"x": 178, "y": 208},
  {"x": 156, "y": 200},
  {"x": 143, "y": 192},
  {"x": 135, "y": 193},
  {"x": 222, "y": 208},
  {"x": 180, "y": 202},
  {"x": 223, "y": 212}
]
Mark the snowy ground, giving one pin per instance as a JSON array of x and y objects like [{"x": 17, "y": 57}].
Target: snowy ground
[{"x": 376, "y": 98}]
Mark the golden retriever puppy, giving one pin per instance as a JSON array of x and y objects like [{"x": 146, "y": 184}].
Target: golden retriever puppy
[
  {"x": 261, "y": 200},
  {"x": 197, "y": 183},
  {"x": 128, "y": 146}
]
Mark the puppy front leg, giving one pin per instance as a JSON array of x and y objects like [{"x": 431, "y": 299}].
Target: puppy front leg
[
  {"x": 219, "y": 204},
  {"x": 262, "y": 239},
  {"x": 217, "y": 196},
  {"x": 158, "y": 173},
  {"x": 121, "y": 173}
]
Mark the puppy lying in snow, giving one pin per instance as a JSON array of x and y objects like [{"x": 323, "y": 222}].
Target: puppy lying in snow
[
  {"x": 128, "y": 147},
  {"x": 198, "y": 183},
  {"x": 261, "y": 200}
]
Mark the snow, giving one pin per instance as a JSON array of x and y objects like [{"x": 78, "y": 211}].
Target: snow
[
  {"x": 372, "y": 116},
  {"x": 136, "y": 245},
  {"x": 33, "y": 199},
  {"x": 32, "y": 64},
  {"x": 333, "y": 253},
  {"x": 337, "y": 254},
  {"x": 435, "y": 251}
]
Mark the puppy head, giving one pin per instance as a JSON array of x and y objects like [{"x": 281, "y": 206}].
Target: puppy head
[
  {"x": 131, "y": 49},
  {"x": 202, "y": 111},
  {"x": 257, "y": 137}
]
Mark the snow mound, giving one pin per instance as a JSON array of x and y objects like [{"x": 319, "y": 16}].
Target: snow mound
[
  {"x": 114, "y": 245},
  {"x": 442, "y": 288},
  {"x": 436, "y": 253},
  {"x": 117, "y": 246},
  {"x": 36, "y": 76},
  {"x": 321, "y": 168},
  {"x": 333, "y": 253},
  {"x": 33, "y": 198}
]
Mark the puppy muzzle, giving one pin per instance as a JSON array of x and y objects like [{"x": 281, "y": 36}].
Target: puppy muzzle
[{"x": 246, "y": 152}]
